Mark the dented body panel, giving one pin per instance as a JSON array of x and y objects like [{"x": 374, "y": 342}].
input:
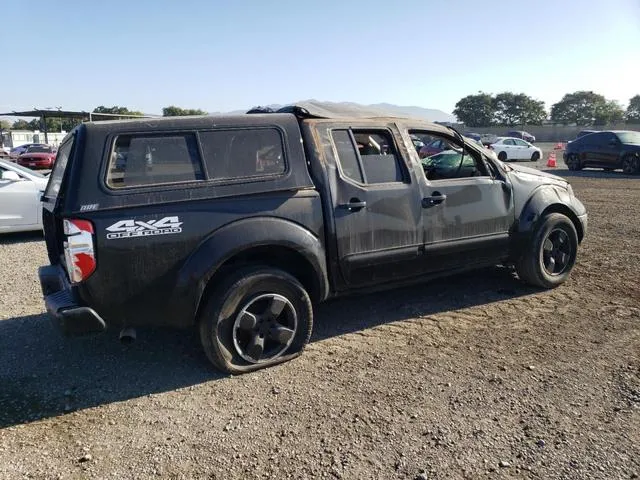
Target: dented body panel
[{"x": 160, "y": 248}]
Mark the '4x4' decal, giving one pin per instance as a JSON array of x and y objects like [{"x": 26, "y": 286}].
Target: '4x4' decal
[{"x": 138, "y": 228}]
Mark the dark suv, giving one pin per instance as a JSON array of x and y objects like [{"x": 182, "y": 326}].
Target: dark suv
[
  {"x": 522, "y": 135},
  {"x": 608, "y": 149},
  {"x": 239, "y": 224}
]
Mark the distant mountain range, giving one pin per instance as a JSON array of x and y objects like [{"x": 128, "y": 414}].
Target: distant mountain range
[{"x": 429, "y": 114}]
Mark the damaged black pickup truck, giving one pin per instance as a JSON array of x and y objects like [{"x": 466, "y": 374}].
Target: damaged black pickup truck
[{"x": 239, "y": 224}]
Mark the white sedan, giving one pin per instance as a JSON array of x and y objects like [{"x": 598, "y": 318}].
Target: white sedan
[
  {"x": 509, "y": 148},
  {"x": 20, "y": 192}
]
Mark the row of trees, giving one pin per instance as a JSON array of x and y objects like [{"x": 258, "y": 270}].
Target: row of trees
[
  {"x": 66, "y": 124},
  {"x": 582, "y": 108}
]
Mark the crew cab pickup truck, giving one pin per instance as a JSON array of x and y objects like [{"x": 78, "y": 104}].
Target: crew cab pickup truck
[{"x": 237, "y": 225}]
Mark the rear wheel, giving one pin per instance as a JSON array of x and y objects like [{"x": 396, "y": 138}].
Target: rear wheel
[
  {"x": 630, "y": 164},
  {"x": 502, "y": 156},
  {"x": 535, "y": 157},
  {"x": 258, "y": 317},
  {"x": 573, "y": 162},
  {"x": 549, "y": 258}
]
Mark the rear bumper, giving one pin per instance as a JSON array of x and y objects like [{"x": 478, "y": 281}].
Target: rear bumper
[
  {"x": 65, "y": 311},
  {"x": 35, "y": 164}
]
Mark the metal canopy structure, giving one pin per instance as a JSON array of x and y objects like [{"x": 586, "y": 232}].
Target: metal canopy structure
[{"x": 44, "y": 114}]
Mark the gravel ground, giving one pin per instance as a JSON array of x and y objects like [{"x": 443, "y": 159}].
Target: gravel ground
[{"x": 477, "y": 376}]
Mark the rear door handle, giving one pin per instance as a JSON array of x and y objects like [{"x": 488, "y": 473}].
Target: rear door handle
[
  {"x": 354, "y": 205},
  {"x": 436, "y": 199}
]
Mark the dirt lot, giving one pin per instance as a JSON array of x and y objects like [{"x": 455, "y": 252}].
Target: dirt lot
[{"x": 474, "y": 377}]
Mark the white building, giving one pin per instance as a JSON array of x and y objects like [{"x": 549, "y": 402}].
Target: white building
[{"x": 15, "y": 138}]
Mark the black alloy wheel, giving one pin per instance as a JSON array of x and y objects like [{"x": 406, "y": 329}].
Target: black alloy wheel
[
  {"x": 548, "y": 258},
  {"x": 630, "y": 164},
  {"x": 255, "y": 317},
  {"x": 264, "y": 328},
  {"x": 573, "y": 162},
  {"x": 556, "y": 252}
]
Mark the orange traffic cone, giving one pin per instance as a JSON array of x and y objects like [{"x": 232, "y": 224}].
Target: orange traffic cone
[{"x": 551, "y": 161}]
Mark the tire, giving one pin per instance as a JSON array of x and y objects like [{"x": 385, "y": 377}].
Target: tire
[
  {"x": 502, "y": 156},
  {"x": 630, "y": 165},
  {"x": 231, "y": 339},
  {"x": 535, "y": 157},
  {"x": 573, "y": 162},
  {"x": 551, "y": 252}
]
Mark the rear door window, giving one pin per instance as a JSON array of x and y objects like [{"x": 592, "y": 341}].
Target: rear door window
[
  {"x": 380, "y": 160},
  {"x": 142, "y": 160},
  {"x": 373, "y": 159},
  {"x": 347, "y": 155}
]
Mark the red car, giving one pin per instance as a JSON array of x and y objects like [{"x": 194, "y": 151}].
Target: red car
[
  {"x": 38, "y": 156},
  {"x": 436, "y": 146}
]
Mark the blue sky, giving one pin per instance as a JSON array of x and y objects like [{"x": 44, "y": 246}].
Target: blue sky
[{"x": 234, "y": 54}]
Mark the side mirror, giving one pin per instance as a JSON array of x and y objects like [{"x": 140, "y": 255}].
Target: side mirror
[{"x": 10, "y": 176}]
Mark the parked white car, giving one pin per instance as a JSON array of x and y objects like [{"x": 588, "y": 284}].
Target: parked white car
[
  {"x": 509, "y": 148},
  {"x": 20, "y": 192}
]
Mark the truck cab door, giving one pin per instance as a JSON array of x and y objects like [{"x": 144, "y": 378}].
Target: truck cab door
[
  {"x": 468, "y": 209},
  {"x": 376, "y": 205}
]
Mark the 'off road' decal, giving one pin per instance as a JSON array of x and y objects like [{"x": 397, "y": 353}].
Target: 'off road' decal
[{"x": 138, "y": 228}]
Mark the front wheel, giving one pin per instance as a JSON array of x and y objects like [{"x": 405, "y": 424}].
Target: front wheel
[
  {"x": 630, "y": 164},
  {"x": 573, "y": 162},
  {"x": 535, "y": 157},
  {"x": 551, "y": 254},
  {"x": 258, "y": 317}
]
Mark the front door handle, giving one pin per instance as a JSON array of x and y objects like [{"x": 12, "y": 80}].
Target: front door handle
[
  {"x": 354, "y": 205},
  {"x": 436, "y": 199}
]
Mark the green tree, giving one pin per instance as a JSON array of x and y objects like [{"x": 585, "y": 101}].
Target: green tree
[
  {"x": 5, "y": 125},
  {"x": 608, "y": 113},
  {"x": 633, "y": 110},
  {"x": 173, "y": 111},
  {"x": 535, "y": 112},
  {"x": 518, "y": 109},
  {"x": 53, "y": 124},
  {"x": 580, "y": 108},
  {"x": 475, "y": 110},
  {"x": 116, "y": 110},
  {"x": 68, "y": 124},
  {"x": 21, "y": 125}
]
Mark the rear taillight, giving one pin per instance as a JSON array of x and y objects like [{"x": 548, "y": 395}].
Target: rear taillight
[{"x": 78, "y": 249}]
